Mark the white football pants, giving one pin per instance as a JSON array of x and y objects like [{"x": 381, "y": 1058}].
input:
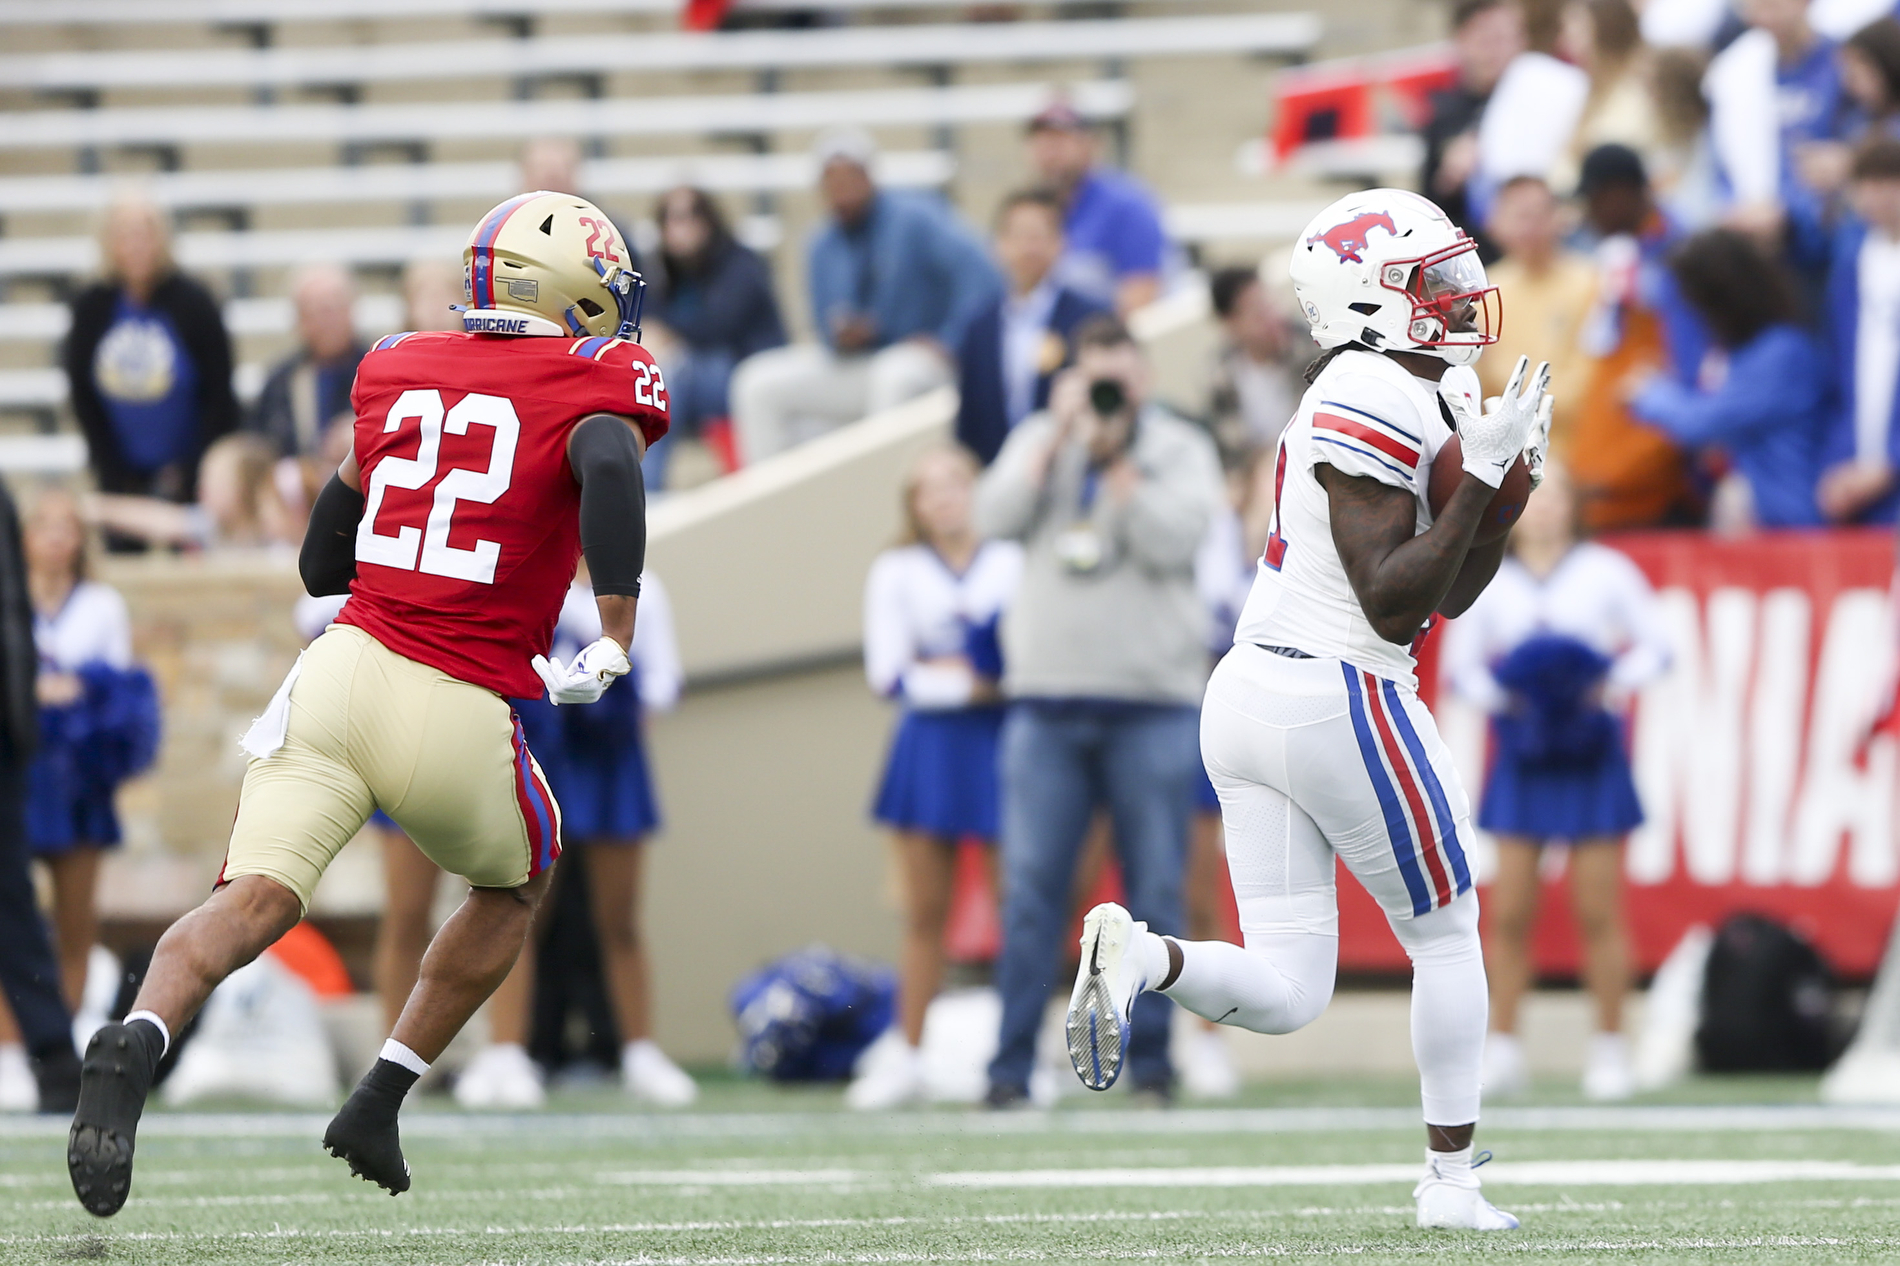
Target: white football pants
[{"x": 1315, "y": 760}]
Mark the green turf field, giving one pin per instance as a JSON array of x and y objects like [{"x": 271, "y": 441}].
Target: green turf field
[{"x": 1735, "y": 1171}]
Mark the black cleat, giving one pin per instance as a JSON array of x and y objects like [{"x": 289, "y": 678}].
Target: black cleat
[
  {"x": 364, "y": 1134},
  {"x": 57, "y": 1076},
  {"x": 113, "y": 1083}
]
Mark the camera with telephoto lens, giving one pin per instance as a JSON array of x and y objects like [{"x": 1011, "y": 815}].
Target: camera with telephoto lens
[{"x": 1107, "y": 397}]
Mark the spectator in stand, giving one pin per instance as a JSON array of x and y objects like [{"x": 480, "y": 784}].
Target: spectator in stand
[
  {"x": 1768, "y": 413},
  {"x": 1255, "y": 385},
  {"x": 309, "y": 390},
  {"x": 1105, "y": 660},
  {"x": 98, "y": 726},
  {"x": 1014, "y": 348},
  {"x": 1532, "y": 116},
  {"x": 931, "y": 610},
  {"x": 1602, "y": 37},
  {"x": 1555, "y": 650},
  {"x": 46, "y": 1073},
  {"x": 1628, "y": 475},
  {"x": 895, "y": 280},
  {"x": 248, "y": 498},
  {"x": 1115, "y": 248},
  {"x": 1485, "y": 36},
  {"x": 1869, "y": 62},
  {"x": 1546, "y": 290},
  {"x": 554, "y": 163},
  {"x": 149, "y": 363},
  {"x": 1773, "y": 92},
  {"x": 709, "y": 305},
  {"x": 1682, "y": 166},
  {"x": 1862, "y": 451},
  {"x": 430, "y": 290}
]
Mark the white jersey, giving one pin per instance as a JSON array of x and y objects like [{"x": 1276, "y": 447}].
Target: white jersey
[
  {"x": 1363, "y": 415},
  {"x": 918, "y": 614},
  {"x": 93, "y": 627}
]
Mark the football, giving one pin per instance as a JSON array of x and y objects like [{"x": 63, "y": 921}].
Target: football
[{"x": 1506, "y": 505}]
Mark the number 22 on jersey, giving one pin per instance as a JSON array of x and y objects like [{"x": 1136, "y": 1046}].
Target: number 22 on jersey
[{"x": 427, "y": 549}]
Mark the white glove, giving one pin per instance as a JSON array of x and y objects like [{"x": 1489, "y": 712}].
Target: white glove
[
  {"x": 1540, "y": 441},
  {"x": 584, "y": 680},
  {"x": 1492, "y": 443}
]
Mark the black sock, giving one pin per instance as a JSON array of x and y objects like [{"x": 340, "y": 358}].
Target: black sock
[
  {"x": 150, "y": 1043},
  {"x": 384, "y": 1086}
]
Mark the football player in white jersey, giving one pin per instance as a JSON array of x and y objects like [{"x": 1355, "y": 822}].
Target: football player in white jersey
[{"x": 1312, "y": 730}]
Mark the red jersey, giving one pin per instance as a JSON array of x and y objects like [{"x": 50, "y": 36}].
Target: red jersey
[{"x": 471, "y": 521}]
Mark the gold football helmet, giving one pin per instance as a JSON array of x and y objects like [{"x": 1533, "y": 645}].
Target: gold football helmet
[{"x": 552, "y": 264}]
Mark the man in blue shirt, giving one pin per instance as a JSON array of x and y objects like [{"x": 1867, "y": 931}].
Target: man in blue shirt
[
  {"x": 895, "y": 279},
  {"x": 1117, "y": 249},
  {"x": 308, "y": 391},
  {"x": 1015, "y": 347}
]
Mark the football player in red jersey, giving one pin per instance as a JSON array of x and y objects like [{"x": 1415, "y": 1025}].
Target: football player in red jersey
[{"x": 486, "y": 463}]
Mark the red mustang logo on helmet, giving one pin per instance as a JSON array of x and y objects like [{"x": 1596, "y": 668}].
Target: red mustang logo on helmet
[{"x": 1348, "y": 239}]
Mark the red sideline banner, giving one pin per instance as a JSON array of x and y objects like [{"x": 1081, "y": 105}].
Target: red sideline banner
[{"x": 1760, "y": 788}]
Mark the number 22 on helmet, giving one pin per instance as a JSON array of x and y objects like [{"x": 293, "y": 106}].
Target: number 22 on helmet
[{"x": 550, "y": 264}]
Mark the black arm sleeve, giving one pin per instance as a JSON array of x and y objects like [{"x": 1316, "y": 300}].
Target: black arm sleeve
[
  {"x": 328, "y": 560},
  {"x": 606, "y": 462}
]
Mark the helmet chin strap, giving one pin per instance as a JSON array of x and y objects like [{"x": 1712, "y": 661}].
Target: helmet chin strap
[{"x": 1457, "y": 353}]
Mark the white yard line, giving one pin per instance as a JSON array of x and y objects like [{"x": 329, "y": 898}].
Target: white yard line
[
  {"x": 1186, "y": 1121},
  {"x": 1595, "y": 1173}
]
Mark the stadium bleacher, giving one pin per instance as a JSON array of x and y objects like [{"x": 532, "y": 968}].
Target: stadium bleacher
[
  {"x": 271, "y": 178},
  {"x": 949, "y": 45}
]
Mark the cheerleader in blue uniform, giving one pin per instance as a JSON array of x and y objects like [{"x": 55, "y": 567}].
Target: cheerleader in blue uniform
[
  {"x": 1554, "y": 650},
  {"x": 931, "y": 608},
  {"x": 594, "y": 756},
  {"x": 98, "y": 727}
]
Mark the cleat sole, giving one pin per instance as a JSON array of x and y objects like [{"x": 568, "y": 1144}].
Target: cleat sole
[{"x": 1097, "y": 1030}]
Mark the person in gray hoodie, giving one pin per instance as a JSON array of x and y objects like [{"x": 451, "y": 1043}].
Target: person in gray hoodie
[{"x": 1105, "y": 661}]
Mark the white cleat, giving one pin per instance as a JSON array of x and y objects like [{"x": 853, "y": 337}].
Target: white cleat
[
  {"x": 652, "y": 1078},
  {"x": 501, "y": 1076},
  {"x": 1106, "y": 986},
  {"x": 1457, "y": 1203},
  {"x": 19, "y": 1091},
  {"x": 1608, "y": 1076},
  {"x": 1207, "y": 1067},
  {"x": 890, "y": 1075}
]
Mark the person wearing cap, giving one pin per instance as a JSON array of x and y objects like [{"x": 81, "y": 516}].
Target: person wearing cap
[
  {"x": 1117, "y": 248},
  {"x": 895, "y": 279},
  {"x": 1629, "y": 475}
]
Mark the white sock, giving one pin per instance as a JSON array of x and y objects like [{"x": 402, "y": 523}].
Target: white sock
[
  {"x": 396, "y": 1053},
  {"x": 1279, "y": 983},
  {"x": 1453, "y": 1167},
  {"x": 156, "y": 1023},
  {"x": 1151, "y": 956}
]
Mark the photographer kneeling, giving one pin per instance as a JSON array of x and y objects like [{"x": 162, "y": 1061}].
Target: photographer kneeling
[{"x": 1105, "y": 661}]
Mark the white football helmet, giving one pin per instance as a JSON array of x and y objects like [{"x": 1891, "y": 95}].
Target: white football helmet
[
  {"x": 1388, "y": 269},
  {"x": 552, "y": 264}
]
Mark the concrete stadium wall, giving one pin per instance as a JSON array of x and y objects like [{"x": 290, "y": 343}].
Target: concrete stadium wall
[{"x": 767, "y": 769}]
